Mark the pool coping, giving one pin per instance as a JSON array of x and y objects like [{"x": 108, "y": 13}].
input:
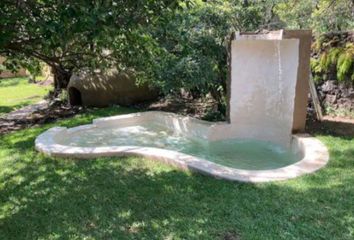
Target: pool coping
[{"x": 315, "y": 156}]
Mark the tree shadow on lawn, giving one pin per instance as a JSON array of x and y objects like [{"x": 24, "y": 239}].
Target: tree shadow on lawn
[
  {"x": 5, "y": 109},
  {"x": 330, "y": 127},
  {"x": 10, "y": 82},
  {"x": 134, "y": 198},
  {"x": 125, "y": 198}
]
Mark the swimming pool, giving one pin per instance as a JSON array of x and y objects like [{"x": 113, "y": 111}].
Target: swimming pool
[{"x": 185, "y": 142}]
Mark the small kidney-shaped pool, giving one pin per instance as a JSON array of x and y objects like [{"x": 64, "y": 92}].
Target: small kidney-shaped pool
[{"x": 183, "y": 142}]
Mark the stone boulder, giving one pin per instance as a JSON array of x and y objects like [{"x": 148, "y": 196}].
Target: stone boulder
[{"x": 329, "y": 86}]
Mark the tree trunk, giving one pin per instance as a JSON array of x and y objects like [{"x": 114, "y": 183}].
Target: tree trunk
[
  {"x": 61, "y": 79},
  {"x": 219, "y": 97}
]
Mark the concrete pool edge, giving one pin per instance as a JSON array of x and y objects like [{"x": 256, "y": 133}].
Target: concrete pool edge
[{"x": 314, "y": 153}]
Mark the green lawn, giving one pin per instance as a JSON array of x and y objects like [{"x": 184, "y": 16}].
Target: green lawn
[
  {"x": 17, "y": 92},
  {"x": 134, "y": 198}
]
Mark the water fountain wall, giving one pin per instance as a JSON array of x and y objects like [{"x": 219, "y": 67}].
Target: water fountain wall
[
  {"x": 263, "y": 87},
  {"x": 264, "y": 74}
]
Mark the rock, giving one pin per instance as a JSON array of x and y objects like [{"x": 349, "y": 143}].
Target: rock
[
  {"x": 329, "y": 86},
  {"x": 345, "y": 103},
  {"x": 345, "y": 85},
  {"x": 331, "y": 99},
  {"x": 351, "y": 95},
  {"x": 344, "y": 93}
]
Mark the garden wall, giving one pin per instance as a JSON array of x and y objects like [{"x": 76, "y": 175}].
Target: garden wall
[{"x": 336, "y": 97}]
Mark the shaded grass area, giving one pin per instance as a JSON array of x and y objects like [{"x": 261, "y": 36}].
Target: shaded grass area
[
  {"x": 17, "y": 92},
  {"x": 134, "y": 198}
]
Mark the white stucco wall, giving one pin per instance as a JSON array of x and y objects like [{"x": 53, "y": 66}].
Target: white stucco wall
[{"x": 263, "y": 80}]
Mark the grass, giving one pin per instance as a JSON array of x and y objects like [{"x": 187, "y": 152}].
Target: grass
[
  {"x": 17, "y": 92},
  {"x": 133, "y": 198}
]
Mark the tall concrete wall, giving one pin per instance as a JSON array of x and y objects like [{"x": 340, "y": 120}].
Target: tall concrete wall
[
  {"x": 263, "y": 85},
  {"x": 268, "y": 86}
]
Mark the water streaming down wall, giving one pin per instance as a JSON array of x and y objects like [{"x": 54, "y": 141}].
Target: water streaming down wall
[{"x": 262, "y": 88}]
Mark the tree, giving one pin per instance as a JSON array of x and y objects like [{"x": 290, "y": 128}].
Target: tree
[
  {"x": 319, "y": 15},
  {"x": 71, "y": 35},
  {"x": 188, "y": 48}
]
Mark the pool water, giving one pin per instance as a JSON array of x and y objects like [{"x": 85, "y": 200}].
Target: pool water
[{"x": 235, "y": 153}]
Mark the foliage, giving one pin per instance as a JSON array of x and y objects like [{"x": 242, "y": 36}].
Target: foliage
[
  {"x": 319, "y": 15},
  {"x": 170, "y": 44},
  {"x": 190, "y": 48},
  {"x": 17, "y": 92},
  {"x": 72, "y": 35},
  {"x": 345, "y": 63},
  {"x": 253, "y": 15},
  {"x": 43, "y": 197},
  {"x": 334, "y": 53},
  {"x": 141, "y": 36},
  {"x": 32, "y": 65}
]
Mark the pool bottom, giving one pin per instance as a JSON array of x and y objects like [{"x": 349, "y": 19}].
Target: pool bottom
[{"x": 235, "y": 153}]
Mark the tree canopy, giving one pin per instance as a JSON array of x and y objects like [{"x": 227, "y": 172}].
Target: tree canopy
[
  {"x": 320, "y": 15},
  {"x": 71, "y": 35},
  {"x": 170, "y": 44}
]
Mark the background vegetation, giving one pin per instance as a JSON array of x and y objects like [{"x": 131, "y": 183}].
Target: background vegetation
[
  {"x": 333, "y": 57},
  {"x": 170, "y": 44}
]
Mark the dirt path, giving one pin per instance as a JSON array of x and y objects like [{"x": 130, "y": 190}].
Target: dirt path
[
  {"x": 25, "y": 112},
  {"x": 40, "y": 113}
]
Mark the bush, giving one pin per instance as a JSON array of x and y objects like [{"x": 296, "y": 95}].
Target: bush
[
  {"x": 190, "y": 47},
  {"x": 333, "y": 57}
]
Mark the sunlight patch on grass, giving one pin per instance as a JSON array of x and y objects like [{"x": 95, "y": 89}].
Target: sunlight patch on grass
[{"x": 17, "y": 92}]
